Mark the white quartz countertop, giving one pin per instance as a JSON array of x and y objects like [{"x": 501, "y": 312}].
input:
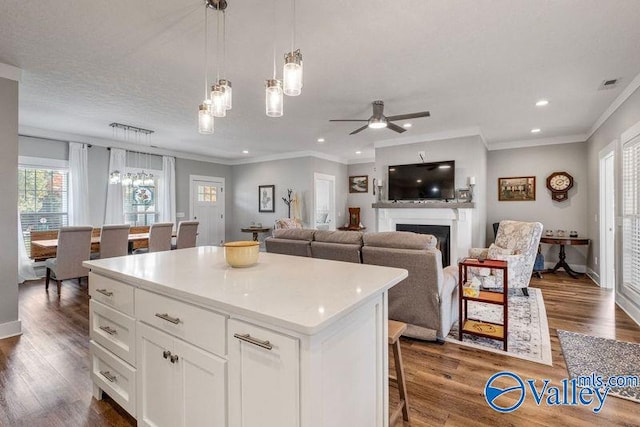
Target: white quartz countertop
[{"x": 302, "y": 294}]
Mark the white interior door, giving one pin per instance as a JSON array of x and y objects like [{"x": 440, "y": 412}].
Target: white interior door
[
  {"x": 607, "y": 221},
  {"x": 324, "y": 203},
  {"x": 207, "y": 207}
]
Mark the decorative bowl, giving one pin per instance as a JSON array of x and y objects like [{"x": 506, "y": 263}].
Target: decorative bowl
[{"x": 242, "y": 253}]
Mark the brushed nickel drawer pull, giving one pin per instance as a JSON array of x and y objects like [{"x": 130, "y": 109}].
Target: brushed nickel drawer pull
[
  {"x": 109, "y": 330},
  {"x": 165, "y": 316},
  {"x": 251, "y": 340},
  {"x": 108, "y": 375},
  {"x": 105, "y": 292},
  {"x": 166, "y": 354},
  {"x": 174, "y": 358}
]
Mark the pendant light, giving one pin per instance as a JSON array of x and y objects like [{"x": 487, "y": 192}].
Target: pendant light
[
  {"x": 274, "y": 100},
  {"x": 205, "y": 114},
  {"x": 218, "y": 96},
  {"x": 225, "y": 83},
  {"x": 292, "y": 71},
  {"x": 114, "y": 177}
]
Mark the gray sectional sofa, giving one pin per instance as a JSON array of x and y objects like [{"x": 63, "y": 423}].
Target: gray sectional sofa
[{"x": 427, "y": 300}]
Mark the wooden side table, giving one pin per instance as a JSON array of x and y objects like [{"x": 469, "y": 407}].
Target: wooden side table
[
  {"x": 255, "y": 231},
  {"x": 480, "y": 327},
  {"x": 563, "y": 241}
]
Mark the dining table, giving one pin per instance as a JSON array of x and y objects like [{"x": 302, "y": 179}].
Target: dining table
[{"x": 95, "y": 240}]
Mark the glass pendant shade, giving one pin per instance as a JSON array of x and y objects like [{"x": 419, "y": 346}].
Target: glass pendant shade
[
  {"x": 274, "y": 98},
  {"x": 148, "y": 180},
  {"x": 292, "y": 73},
  {"x": 218, "y": 101},
  {"x": 114, "y": 177},
  {"x": 205, "y": 119},
  {"x": 228, "y": 91}
]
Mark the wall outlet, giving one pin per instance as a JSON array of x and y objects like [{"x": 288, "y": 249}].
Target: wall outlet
[
  {"x": 180, "y": 215},
  {"x": 595, "y": 259}
]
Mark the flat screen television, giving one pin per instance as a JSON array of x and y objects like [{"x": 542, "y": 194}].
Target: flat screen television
[{"x": 422, "y": 181}]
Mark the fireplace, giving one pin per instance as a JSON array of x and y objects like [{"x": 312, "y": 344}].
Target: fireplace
[{"x": 441, "y": 232}]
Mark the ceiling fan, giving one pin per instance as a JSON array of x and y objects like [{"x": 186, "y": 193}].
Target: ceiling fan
[{"x": 379, "y": 120}]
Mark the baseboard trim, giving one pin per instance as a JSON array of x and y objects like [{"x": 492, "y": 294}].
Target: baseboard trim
[
  {"x": 628, "y": 307},
  {"x": 594, "y": 276},
  {"x": 10, "y": 329}
]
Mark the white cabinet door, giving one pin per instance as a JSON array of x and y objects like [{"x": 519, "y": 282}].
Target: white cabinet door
[
  {"x": 264, "y": 379},
  {"x": 157, "y": 394},
  {"x": 203, "y": 387}
]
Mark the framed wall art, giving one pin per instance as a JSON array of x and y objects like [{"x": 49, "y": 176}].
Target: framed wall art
[
  {"x": 517, "y": 189},
  {"x": 359, "y": 184},
  {"x": 266, "y": 195}
]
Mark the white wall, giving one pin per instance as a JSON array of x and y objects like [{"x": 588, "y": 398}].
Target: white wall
[
  {"x": 9, "y": 323},
  {"x": 364, "y": 200},
  {"x": 627, "y": 115},
  {"x": 470, "y": 155},
  {"x": 541, "y": 162}
]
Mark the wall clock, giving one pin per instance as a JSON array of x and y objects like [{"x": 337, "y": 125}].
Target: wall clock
[{"x": 559, "y": 184}]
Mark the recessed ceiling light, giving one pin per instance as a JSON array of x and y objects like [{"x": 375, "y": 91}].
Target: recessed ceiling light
[
  {"x": 542, "y": 103},
  {"x": 358, "y": 152},
  {"x": 245, "y": 151},
  {"x": 320, "y": 139},
  {"x": 407, "y": 125},
  {"x": 535, "y": 130}
]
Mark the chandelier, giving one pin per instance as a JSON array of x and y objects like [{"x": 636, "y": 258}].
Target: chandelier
[
  {"x": 136, "y": 135},
  {"x": 218, "y": 100}
]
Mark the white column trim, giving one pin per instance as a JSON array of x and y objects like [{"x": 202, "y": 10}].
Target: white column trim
[
  {"x": 10, "y": 72},
  {"x": 10, "y": 329}
]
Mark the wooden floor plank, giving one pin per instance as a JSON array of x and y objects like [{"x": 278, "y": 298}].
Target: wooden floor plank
[{"x": 44, "y": 374}]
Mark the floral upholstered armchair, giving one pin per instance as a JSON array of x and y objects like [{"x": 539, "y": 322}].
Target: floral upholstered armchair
[
  {"x": 517, "y": 243},
  {"x": 287, "y": 223}
]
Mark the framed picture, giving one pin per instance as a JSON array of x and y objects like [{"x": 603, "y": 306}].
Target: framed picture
[
  {"x": 266, "y": 195},
  {"x": 359, "y": 184},
  {"x": 517, "y": 189},
  {"x": 463, "y": 195}
]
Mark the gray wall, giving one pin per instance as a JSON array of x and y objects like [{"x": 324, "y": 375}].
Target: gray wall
[
  {"x": 185, "y": 168},
  {"x": 364, "y": 200},
  {"x": 470, "y": 155},
  {"x": 541, "y": 162},
  {"x": 627, "y": 115},
  {"x": 46, "y": 148},
  {"x": 296, "y": 174},
  {"x": 9, "y": 323}
]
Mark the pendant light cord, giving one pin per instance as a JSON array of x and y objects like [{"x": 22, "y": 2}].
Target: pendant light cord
[
  {"x": 274, "y": 39},
  {"x": 224, "y": 44},
  {"x": 206, "y": 57},
  {"x": 293, "y": 25},
  {"x": 217, "y": 46}
]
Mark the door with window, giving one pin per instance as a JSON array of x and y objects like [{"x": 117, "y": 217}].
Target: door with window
[{"x": 207, "y": 207}]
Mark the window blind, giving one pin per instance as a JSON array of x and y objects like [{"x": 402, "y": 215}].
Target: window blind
[{"x": 631, "y": 214}]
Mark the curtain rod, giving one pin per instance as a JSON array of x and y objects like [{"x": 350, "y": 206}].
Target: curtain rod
[{"x": 138, "y": 152}]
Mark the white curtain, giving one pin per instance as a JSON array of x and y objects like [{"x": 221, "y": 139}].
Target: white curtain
[
  {"x": 78, "y": 184},
  {"x": 114, "y": 213},
  {"x": 167, "y": 190},
  {"x": 25, "y": 265}
]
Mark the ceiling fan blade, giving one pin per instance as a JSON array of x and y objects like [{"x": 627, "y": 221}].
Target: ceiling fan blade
[
  {"x": 395, "y": 127},
  {"x": 409, "y": 116},
  {"x": 359, "y": 129},
  {"x": 355, "y": 120}
]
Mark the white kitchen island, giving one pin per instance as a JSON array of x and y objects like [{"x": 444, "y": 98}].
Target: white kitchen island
[{"x": 179, "y": 338}]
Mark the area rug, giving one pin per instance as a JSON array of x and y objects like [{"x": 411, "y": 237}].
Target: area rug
[
  {"x": 586, "y": 355},
  {"x": 528, "y": 335}
]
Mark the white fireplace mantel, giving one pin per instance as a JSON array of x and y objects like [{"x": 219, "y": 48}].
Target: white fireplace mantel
[{"x": 458, "y": 216}]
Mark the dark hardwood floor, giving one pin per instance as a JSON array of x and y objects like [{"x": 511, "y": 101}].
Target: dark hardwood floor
[{"x": 44, "y": 374}]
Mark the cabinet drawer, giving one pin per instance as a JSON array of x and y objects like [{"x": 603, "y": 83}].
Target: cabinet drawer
[
  {"x": 203, "y": 328},
  {"x": 114, "y": 377},
  {"x": 111, "y": 292},
  {"x": 113, "y": 330}
]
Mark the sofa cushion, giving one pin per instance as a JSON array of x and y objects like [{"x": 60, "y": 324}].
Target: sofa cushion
[
  {"x": 294, "y": 234},
  {"x": 400, "y": 240},
  {"x": 345, "y": 237},
  {"x": 336, "y": 251},
  {"x": 288, "y": 246}
]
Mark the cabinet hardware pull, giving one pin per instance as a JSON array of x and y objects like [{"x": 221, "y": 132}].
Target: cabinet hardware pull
[
  {"x": 251, "y": 340},
  {"x": 165, "y": 316},
  {"x": 174, "y": 358},
  {"x": 108, "y": 375},
  {"x": 109, "y": 330},
  {"x": 166, "y": 354},
  {"x": 105, "y": 292}
]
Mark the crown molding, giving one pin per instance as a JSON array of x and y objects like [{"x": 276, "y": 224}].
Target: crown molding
[
  {"x": 103, "y": 142},
  {"x": 359, "y": 161},
  {"x": 624, "y": 95},
  {"x": 434, "y": 136},
  {"x": 10, "y": 72},
  {"x": 291, "y": 155},
  {"x": 536, "y": 142}
]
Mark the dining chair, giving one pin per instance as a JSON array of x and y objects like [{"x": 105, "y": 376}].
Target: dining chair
[
  {"x": 114, "y": 241},
  {"x": 159, "y": 238},
  {"x": 74, "y": 246},
  {"x": 187, "y": 234}
]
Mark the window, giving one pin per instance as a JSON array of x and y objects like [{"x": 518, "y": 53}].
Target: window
[
  {"x": 207, "y": 193},
  {"x": 42, "y": 199},
  {"x": 631, "y": 213},
  {"x": 141, "y": 202}
]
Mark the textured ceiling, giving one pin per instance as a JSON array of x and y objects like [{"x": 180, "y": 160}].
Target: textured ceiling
[{"x": 480, "y": 64}]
